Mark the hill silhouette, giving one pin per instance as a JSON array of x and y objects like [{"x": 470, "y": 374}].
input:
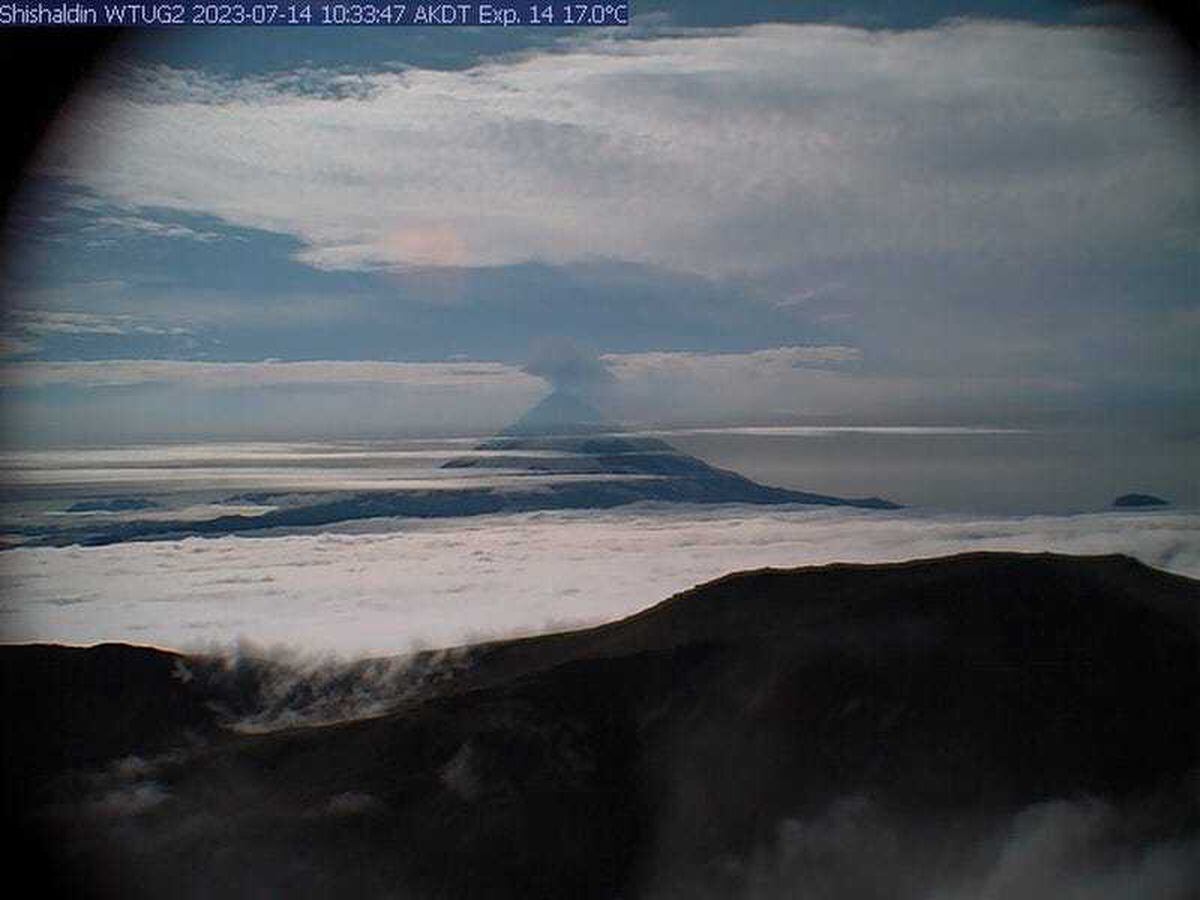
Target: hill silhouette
[{"x": 853, "y": 731}]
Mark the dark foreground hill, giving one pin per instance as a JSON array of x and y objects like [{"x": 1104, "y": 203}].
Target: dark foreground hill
[{"x": 987, "y": 725}]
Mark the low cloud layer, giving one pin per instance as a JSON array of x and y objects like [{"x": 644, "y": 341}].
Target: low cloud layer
[{"x": 390, "y": 587}]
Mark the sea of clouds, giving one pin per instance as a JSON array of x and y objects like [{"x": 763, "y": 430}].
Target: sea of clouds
[{"x": 392, "y": 586}]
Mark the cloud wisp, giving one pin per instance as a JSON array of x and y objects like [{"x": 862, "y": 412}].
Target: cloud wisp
[
  {"x": 1077, "y": 847},
  {"x": 198, "y": 374}
]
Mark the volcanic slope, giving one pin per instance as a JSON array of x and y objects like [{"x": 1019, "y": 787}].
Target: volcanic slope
[{"x": 564, "y": 455}]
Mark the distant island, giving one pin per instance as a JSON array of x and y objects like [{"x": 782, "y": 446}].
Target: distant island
[
  {"x": 1134, "y": 501},
  {"x": 561, "y": 455}
]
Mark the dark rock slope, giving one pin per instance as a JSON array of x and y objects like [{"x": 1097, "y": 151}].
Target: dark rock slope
[
  {"x": 844, "y": 731},
  {"x": 655, "y": 471}
]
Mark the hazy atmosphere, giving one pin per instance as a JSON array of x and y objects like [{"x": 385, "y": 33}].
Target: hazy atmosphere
[{"x": 747, "y": 454}]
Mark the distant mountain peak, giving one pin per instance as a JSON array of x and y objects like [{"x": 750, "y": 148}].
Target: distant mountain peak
[{"x": 561, "y": 412}]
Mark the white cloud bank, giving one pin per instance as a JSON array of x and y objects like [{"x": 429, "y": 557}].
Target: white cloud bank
[
  {"x": 385, "y": 586},
  {"x": 723, "y": 153}
]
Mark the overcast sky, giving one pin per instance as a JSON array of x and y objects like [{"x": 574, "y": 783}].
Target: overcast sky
[{"x": 727, "y": 213}]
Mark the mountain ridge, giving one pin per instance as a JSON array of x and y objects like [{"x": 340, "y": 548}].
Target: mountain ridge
[
  {"x": 600, "y": 470},
  {"x": 657, "y": 756}
]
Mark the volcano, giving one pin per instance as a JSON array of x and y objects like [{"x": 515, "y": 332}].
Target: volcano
[
  {"x": 560, "y": 412},
  {"x": 559, "y": 455},
  {"x": 565, "y": 435}
]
